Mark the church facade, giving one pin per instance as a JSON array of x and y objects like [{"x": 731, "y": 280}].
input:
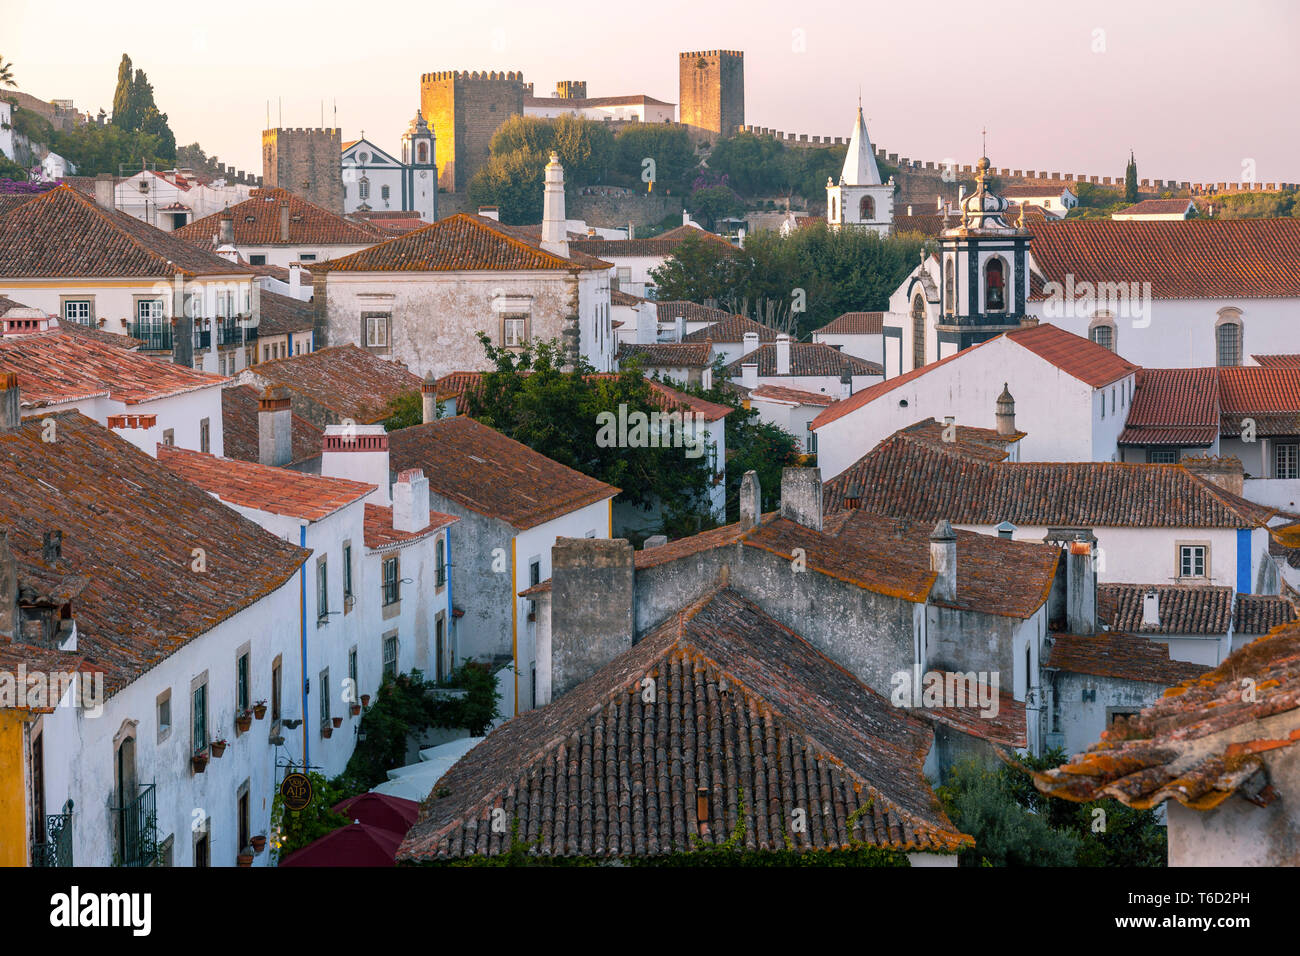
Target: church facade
[
  {"x": 375, "y": 180},
  {"x": 859, "y": 200}
]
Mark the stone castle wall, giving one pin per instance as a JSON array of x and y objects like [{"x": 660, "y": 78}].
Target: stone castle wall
[
  {"x": 465, "y": 109},
  {"x": 711, "y": 98},
  {"x": 308, "y": 162}
]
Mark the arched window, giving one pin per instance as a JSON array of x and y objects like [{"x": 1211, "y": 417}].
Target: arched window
[
  {"x": 1102, "y": 331},
  {"x": 834, "y": 209},
  {"x": 867, "y": 209},
  {"x": 1228, "y": 342},
  {"x": 918, "y": 332},
  {"x": 949, "y": 287},
  {"x": 995, "y": 286},
  {"x": 422, "y": 152},
  {"x": 363, "y": 187}
]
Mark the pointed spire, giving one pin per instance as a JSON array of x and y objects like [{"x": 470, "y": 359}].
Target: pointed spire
[{"x": 860, "y": 162}]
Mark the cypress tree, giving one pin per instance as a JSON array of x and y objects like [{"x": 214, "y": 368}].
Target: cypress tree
[
  {"x": 123, "y": 114},
  {"x": 1131, "y": 179}
]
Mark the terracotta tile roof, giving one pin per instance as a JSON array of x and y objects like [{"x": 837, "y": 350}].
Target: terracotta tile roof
[
  {"x": 600, "y": 773},
  {"x": 1251, "y": 389},
  {"x": 11, "y": 201},
  {"x": 1173, "y": 406},
  {"x": 281, "y": 314},
  {"x": 648, "y": 558},
  {"x": 1156, "y": 207},
  {"x": 730, "y": 329},
  {"x": 1006, "y": 727},
  {"x": 806, "y": 358},
  {"x": 1116, "y": 654},
  {"x": 1201, "y": 741},
  {"x": 661, "y": 245},
  {"x": 256, "y": 222},
  {"x": 1275, "y": 360},
  {"x": 855, "y": 323},
  {"x": 1182, "y": 259},
  {"x": 927, "y": 224},
  {"x": 669, "y": 354},
  {"x": 579, "y": 102},
  {"x": 670, "y": 309},
  {"x": 239, "y": 427},
  {"x": 458, "y": 243},
  {"x": 778, "y": 393},
  {"x": 457, "y": 384},
  {"x": 62, "y": 234},
  {"x": 279, "y": 491},
  {"x": 984, "y": 444},
  {"x": 380, "y": 533},
  {"x": 491, "y": 474},
  {"x": 345, "y": 379},
  {"x": 1197, "y": 609},
  {"x": 115, "y": 339},
  {"x": 1074, "y": 355},
  {"x": 994, "y": 575},
  {"x": 618, "y": 297},
  {"x": 903, "y": 476},
  {"x": 130, "y": 526},
  {"x": 1260, "y": 613},
  {"x": 57, "y": 367}
]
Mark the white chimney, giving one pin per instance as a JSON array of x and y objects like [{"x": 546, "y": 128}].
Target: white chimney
[
  {"x": 679, "y": 329},
  {"x": 647, "y": 324},
  {"x": 686, "y": 218},
  {"x": 1151, "y": 609},
  {"x": 429, "y": 399},
  {"x": 749, "y": 374},
  {"x": 943, "y": 561},
  {"x": 783, "y": 354},
  {"x": 274, "y": 427},
  {"x": 938, "y": 203},
  {"x": 104, "y": 187},
  {"x": 909, "y": 210},
  {"x": 751, "y": 342},
  {"x": 358, "y": 453},
  {"x": 295, "y": 279},
  {"x": 490, "y": 212},
  {"x": 554, "y": 237},
  {"x": 411, "y": 501}
]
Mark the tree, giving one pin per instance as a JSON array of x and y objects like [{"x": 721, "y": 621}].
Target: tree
[
  {"x": 754, "y": 165},
  {"x": 1131, "y": 180},
  {"x": 512, "y": 182},
  {"x": 7, "y": 74},
  {"x": 124, "y": 114},
  {"x": 698, "y": 270},
  {"x": 586, "y": 148},
  {"x": 712, "y": 203},
  {"x": 97, "y": 149},
  {"x": 667, "y": 146},
  {"x": 134, "y": 111}
]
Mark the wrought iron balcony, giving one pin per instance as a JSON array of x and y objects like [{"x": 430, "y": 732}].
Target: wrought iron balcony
[
  {"x": 55, "y": 846},
  {"x": 135, "y": 828},
  {"x": 156, "y": 337}
]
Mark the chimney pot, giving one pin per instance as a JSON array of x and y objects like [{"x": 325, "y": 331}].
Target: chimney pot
[
  {"x": 11, "y": 415},
  {"x": 1081, "y": 587},
  {"x": 783, "y": 354},
  {"x": 274, "y": 427},
  {"x": 429, "y": 399},
  {"x": 105, "y": 186},
  {"x": 852, "y": 497},
  {"x": 1005, "y": 412},
  {"x": 411, "y": 501},
  {"x": 801, "y": 496},
  {"x": 943, "y": 561},
  {"x": 284, "y": 220},
  {"x": 1151, "y": 609}
]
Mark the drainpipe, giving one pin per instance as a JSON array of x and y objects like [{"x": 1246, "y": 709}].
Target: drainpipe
[
  {"x": 451, "y": 604},
  {"x": 302, "y": 621}
]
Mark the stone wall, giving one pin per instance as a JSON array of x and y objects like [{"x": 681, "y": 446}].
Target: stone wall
[
  {"x": 640, "y": 209},
  {"x": 465, "y": 109},
  {"x": 307, "y": 162},
  {"x": 711, "y": 99}
]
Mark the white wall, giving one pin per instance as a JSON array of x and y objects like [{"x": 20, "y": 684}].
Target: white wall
[{"x": 869, "y": 347}]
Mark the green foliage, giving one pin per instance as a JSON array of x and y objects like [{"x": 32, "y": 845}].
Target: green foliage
[
  {"x": 293, "y": 829},
  {"x": 698, "y": 271},
  {"x": 1257, "y": 205},
  {"x": 134, "y": 111},
  {"x": 11, "y": 170},
  {"x": 1131, "y": 180},
  {"x": 668, "y": 145},
  {"x": 512, "y": 182},
  {"x": 7, "y": 74},
  {"x": 711, "y": 203},
  {"x": 763, "y": 166},
  {"x": 104, "y": 149},
  {"x": 530, "y": 398},
  {"x": 33, "y": 125},
  {"x": 1015, "y": 825},
  {"x": 124, "y": 113},
  {"x": 406, "y": 410}
]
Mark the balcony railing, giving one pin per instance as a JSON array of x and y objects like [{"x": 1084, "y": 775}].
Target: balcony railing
[
  {"x": 136, "y": 830},
  {"x": 156, "y": 338},
  {"x": 55, "y": 847}
]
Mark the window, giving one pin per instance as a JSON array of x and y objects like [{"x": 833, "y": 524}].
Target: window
[
  {"x": 383, "y": 193},
  {"x": 363, "y": 187},
  {"x": 392, "y": 587},
  {"x": 352, "y": 671},
  {"x": 1286, "y": 461},
  {"x": 205, "y": 435},
  {"x": 78, "y": 311},
  {"x": 867, "y": 209},
  {"x": 245, "y": 819},
  {"x": 1228, "y": 340},
  {"x": 164, "y": 711},
  {"x": 149, "y": 311},
  {"x": 995, "y": 299},
  {"x": 440, "y": 563},
  {"x": 835, "y": 207},
  {"x": 347, "y": 572},
  {"x": 307, "y": 257},
  {"x": 810, "y": 440},
  {"x": 203, "y": 849},
  {"x": 276, "y": 683},
  {"x": 199, "y": 731},
  {"x": 422, "y": 153},
  {"x": 1162, "y": 456},
  {"x": 390, "y": 657},
  {"x": 949, "y": 288},
  {"x": 1103, "y": 335},
  {"x": 514, "y": 330},
  {"x": 374, "y": 329},
  {"x": 242, "y": 695},
  {"x": 624, "y": 277},
  {"x": 257, "y": 260},
  {"x": 918, "y": 332},
  {"x": 1112, "y": 401},
  {"x": 169, "y": 436},
  {"x": 324, "y": 690},
  {"x": 439, "y": 642},
  {"x": 322, "y": 590},
  {"x": 1191, "y": 560}
]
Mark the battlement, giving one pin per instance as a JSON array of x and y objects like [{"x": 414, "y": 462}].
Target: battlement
[
  {"x": 306, "y": 130},
  {"x": 486, "y": 76},
  {"x": 707, "y": 54}
]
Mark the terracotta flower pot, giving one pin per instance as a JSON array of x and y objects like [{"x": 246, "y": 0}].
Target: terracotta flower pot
[
  {"x": 365, "y": 700},
  {"x": 199, "y": 762},
  {"x": 258, "y": 843},
  {"x": 356, "y": 709},
  {"x": 338, "y": 721},
  {"x": 218, "y": 747},
  {"x": 243, "y": 722},
  {"x": 259, "y": 711},
  {"x": 327, "y": 732},
  {"x": 245, "y": 859}
]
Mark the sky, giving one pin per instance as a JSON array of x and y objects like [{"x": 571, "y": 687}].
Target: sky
[{"x": 1200, "y": 91}]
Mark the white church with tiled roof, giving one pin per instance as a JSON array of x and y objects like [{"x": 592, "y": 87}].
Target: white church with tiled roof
[{"x": 859, "y": 200}]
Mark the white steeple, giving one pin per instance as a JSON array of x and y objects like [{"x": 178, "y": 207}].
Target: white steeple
[
  {"x": 555, "y": 238},
  {"x": 860, "y": 162}
]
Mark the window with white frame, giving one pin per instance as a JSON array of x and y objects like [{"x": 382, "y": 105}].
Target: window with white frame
[
  {"x": 1286, "y": 460},
  {"x": 78, "y": 311},
  {"x": 1228, "y": 342},
  {"x": 1103, "y": 335},
  {"x": 390, "y": 657},
  {"x": 514, "y": 330},
  {"x": 1192, "y": 560},
  {"x": 1162, "y": 456},
  {"x": 810, "y": 440},
  {"x": 374, "y": 329},
  {"x": 324, "y": 697}
]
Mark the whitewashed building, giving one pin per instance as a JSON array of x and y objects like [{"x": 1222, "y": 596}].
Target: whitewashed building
[{"x": 375, "y": 180}]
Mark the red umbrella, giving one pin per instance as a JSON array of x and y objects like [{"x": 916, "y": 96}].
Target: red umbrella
[
  {"x": 380, "y": 810},
  {"x": 357, "y": 844}
]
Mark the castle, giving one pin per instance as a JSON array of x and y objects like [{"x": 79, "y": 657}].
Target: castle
[{"x": 307, "y": 162}]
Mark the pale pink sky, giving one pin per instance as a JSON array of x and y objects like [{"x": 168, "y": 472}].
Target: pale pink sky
[{"x": 1195, "y": 88}]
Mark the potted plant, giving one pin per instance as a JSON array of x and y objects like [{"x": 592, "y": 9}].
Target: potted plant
[
  {"x": 365, "y": 700},
  {"x": 243, "y": 721},
  {"x": 327, "y": 731},
  {"x": 258, "y": 842},
  {"x": 355, "y": 709},
  {"x": 246, "y": 856},
  {"x": 259, "y": 709},
  {"x": 199, "y": 761},
  {"x": 338, "y": 721},
  {"x": 218, "y": 747}
]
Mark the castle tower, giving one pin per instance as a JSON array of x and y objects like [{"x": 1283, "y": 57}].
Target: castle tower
[
  {"x": 860, "y": 200},
  {"x": 307, "y": 162},
  {"x": 465, "y": 109},
  {"x": 712, "y": 92},
  {"x": 419, "y": 157}
]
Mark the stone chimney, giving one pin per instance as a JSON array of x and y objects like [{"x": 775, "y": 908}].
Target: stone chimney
[
  {"x": 1226, "y": 472},
  {"x": 429, "y": 399},
  {"x": 104, "y": 188},
  {"x": 783, "y": 354},
  {"x": 554, "y": 237},
  {"x": 592, "y": 616},
  {"x": 1006, "y": 412},
  {"x": 801, "y": 496},
  {"x": 1081, "y": 586},
  {"x": 943, "y": 562},
  {"x": 226, "y": 228},
  {"x": 846, "y": 382},
  {"x": 1151, "y": 609},
  {"x": 274, "y": 427},
  {"x": 11, "y": 413},
  {"x": 284, "y": 220},
  {"x": 358, "y": 453},
  {"x": 852, "y": 497},
  {"x": 8, "y": 590},
  {"x": 751, "y": 343},
  {"x": 295, "y": 279},
  {"x": 411, "y": 501},
  {"x": 749, "y": 374},
  {"x": 751, "y": 502}
]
